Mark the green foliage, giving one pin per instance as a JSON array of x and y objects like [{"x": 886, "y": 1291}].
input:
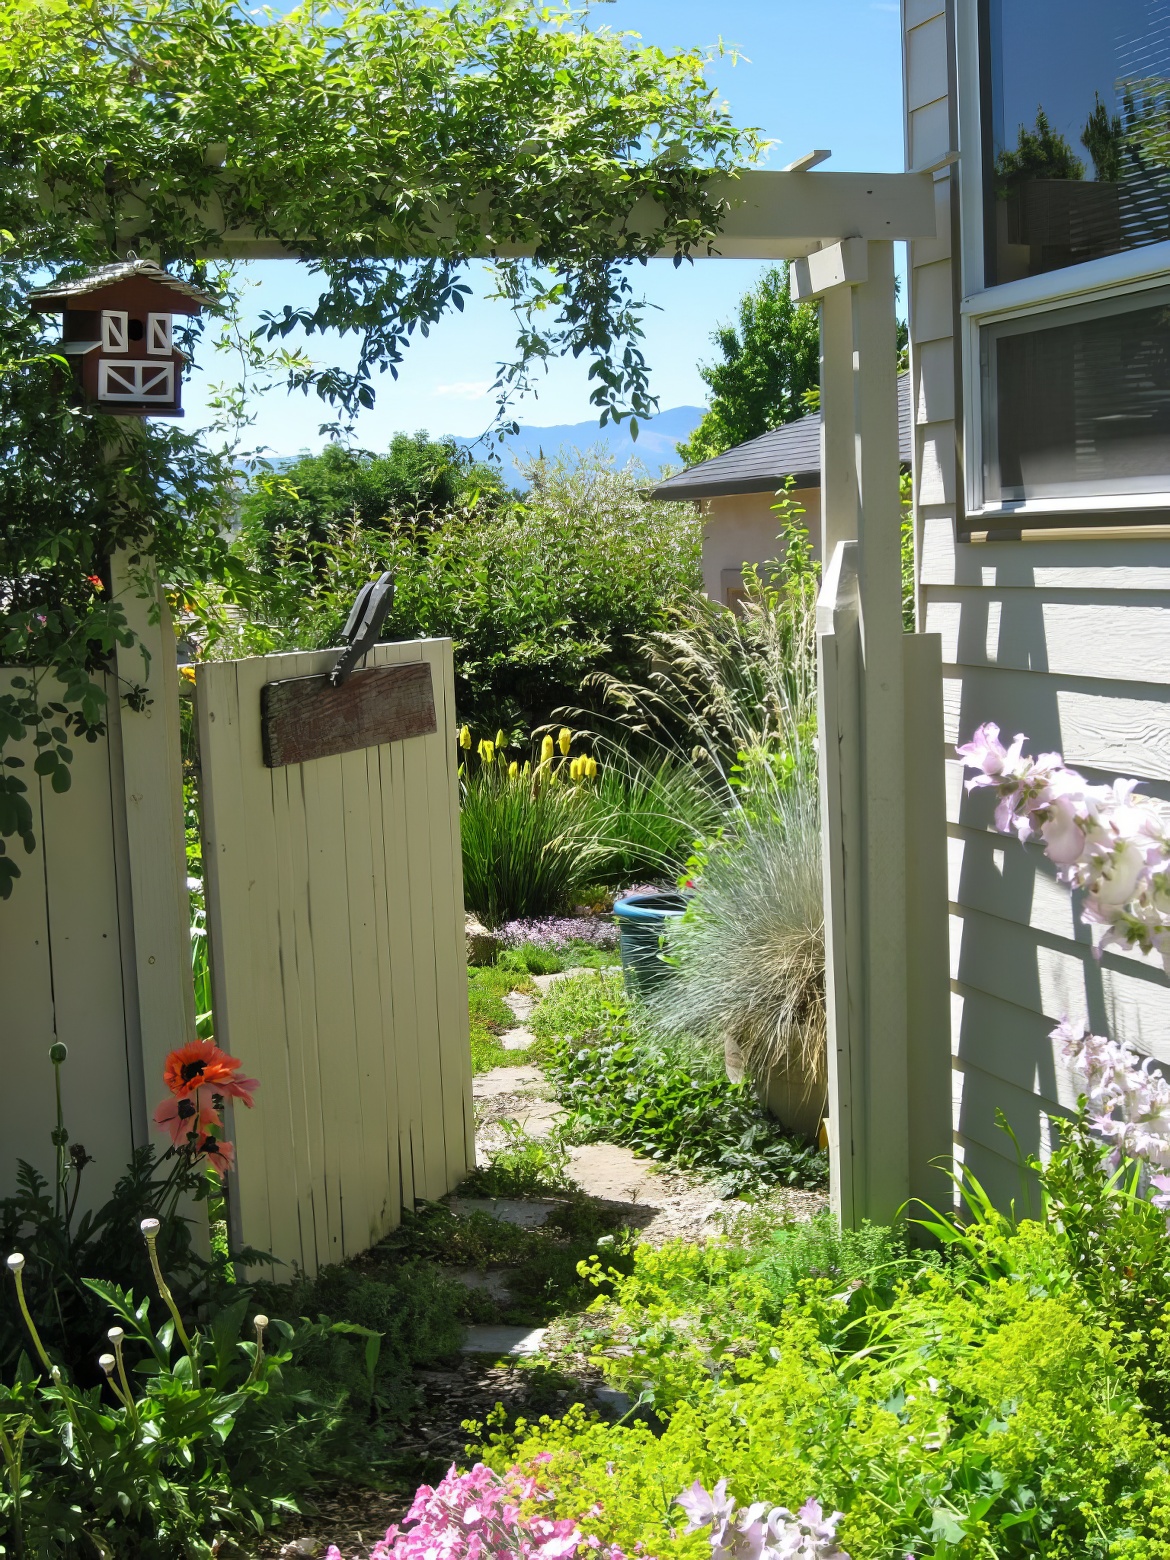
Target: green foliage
[
  {"x": 530, "y": 843},
  {"x": 490, "y": 1014},
  {"x": 538, "y": 595},
  {"x": 163, "y": 127},
  {"x": 417, "y": 480},
  {"x": 186, "y": 1438},
  {"x": 621, "y": 1090},
  {"x": 722, "y": 684},
  {"x": 766, "y": 368},
  {"x": 945, "y": 1419},
  {"x": 906, "y": 551}
]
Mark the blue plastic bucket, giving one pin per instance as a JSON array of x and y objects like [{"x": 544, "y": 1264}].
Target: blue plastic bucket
[{"x": 642, "y": 919}]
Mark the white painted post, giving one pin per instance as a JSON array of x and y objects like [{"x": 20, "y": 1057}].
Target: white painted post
[{"x": 884, "y": 1125}]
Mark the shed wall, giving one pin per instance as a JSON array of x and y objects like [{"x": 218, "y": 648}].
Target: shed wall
[
  {"x": 1066, "y": 639},
  {"x": 741, "y": 528}
]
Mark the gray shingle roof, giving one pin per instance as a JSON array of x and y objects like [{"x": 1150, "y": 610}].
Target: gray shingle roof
[
  {"x": 120, "y": 271},
  {"x": 761, "y": 465}
]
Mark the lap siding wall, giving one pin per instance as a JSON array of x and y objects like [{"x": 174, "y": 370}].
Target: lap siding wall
[{"x": 1067, "y": 640}]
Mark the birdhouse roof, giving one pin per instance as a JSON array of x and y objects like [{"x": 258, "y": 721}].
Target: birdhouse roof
[{"x": 123, "y": 283}]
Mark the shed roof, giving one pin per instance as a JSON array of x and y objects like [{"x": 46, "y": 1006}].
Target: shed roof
[
  {"x": 762, "y": 465},
  {"x": 61, "y": 293}
]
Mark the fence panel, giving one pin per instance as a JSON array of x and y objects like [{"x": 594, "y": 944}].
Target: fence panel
[{"x": 335, "y": 906}]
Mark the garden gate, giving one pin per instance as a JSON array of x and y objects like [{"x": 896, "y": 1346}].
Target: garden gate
[{"x": 335, "y": 907}]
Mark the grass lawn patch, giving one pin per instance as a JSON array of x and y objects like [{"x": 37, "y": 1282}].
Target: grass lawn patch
[{"x": 490, "y": 1015}]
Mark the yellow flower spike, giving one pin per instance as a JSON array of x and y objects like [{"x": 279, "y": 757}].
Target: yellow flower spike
[
  {"x": 527, "y": 769},
  {"x": 513, "y": 770},
  {"x": 187, "y": 673},
  {"x": 575, "y": 769},
  {"x": 501, "y": 740},
  {"x": 566, "y": 740},
  {"x": 591, "y": 768},
  {"x": 487, "y": 750},
  {"x": 546, "y": 750},
  {"x": 465, "y": 738}
]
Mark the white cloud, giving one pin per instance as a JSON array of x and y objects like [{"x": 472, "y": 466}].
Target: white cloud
[{"x": 465, "y": 389}]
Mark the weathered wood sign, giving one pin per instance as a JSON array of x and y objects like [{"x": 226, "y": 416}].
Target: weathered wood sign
[{"x": 304, "y": 717}]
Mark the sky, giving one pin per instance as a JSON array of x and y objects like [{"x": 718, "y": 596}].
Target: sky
[{"x": 815, "y": 73}]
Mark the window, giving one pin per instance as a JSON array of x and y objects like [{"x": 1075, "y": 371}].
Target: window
[
  {"x": 158, "y": 334},
  {"x": 114, "y": 331},
  {"x": 1076, "y": 402},
  {"x": 1076, "y": 131},
  {"x": 136, "y": 381}
]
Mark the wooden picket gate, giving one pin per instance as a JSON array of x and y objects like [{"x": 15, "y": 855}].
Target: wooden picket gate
[{"x": 335, "y": 909}]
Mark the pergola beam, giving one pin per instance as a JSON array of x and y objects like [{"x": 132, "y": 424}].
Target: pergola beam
[{"x": 769, "y": 216}]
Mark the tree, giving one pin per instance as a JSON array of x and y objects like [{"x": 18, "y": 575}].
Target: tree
[
  {"x": 767, "y": 366},
  {"x": 417, "y": 480}
]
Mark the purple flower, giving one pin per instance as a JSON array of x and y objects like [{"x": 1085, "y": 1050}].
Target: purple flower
[{"x": 554, "y": 933}]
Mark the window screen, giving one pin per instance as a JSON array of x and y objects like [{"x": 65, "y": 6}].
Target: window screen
[
  {"x": 1076, "y": 402},
  {"x": 1076, "y": 110}
]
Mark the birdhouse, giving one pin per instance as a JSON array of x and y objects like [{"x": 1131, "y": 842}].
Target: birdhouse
[{"x": 117, "y": 334}]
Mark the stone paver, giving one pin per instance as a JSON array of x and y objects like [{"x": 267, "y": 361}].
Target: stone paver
[
  {"x": 495, "y": 1283},
  {"x": 613, "y": 1173},
  {"x": 517, "y": 1039},
  {"x": 527, "y": 1212},
  {"x": 512, "y": 1341},
  {"x": 506, "y": 1080},
  {"x": 541, "y": 1118},
  {"x": 521, "y": 1004}
]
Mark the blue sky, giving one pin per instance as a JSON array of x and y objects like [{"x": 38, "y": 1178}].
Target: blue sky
[{"x": 819, "y": 74}]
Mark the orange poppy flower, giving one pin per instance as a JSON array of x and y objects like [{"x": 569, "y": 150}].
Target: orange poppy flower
[
  {"x": 219, "y": 1155},
  {"x": 197, "y": 1063}
]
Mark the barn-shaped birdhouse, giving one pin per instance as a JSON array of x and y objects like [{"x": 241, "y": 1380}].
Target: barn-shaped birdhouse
[{"x": 117, "y": 333}]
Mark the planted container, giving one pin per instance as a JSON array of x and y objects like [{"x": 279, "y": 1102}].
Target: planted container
[{"x": 642, "y": 922}]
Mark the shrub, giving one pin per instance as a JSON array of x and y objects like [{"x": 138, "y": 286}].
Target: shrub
[
  {"x": 749, "y": 954},
  {"x": 537, "y": 594}
]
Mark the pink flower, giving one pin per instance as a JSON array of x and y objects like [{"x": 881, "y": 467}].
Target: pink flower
[{"x": 186, "y": 1118}]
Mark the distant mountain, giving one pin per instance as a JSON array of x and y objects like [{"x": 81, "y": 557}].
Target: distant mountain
[{"x": 655, "y": 445}]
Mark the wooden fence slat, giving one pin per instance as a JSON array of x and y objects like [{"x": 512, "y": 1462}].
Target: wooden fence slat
[
  {"x": 387, "y": 1022},
  {"x": 408, "y": 1068},
  {"x": 450, "y": 943},
  {"x": 225, "y": 858},
  {"x": 269, "y": 1129},
  {"x": 368, "y": 1037},
  {"x": 422, "y": 912}
]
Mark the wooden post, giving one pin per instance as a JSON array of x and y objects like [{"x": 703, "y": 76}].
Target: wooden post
[{"x": 884, "y": 1124}]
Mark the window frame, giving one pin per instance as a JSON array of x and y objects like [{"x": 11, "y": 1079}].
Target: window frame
[{"x": 1106, "y": 279}]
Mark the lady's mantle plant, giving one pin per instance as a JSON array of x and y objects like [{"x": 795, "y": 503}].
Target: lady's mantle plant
[{"x": 1111, "y": 845}]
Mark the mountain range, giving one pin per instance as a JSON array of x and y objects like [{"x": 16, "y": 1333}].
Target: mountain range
[{"x": 654, "y": 447}]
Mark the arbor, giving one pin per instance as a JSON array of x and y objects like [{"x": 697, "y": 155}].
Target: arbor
[
  {"x": 387, "y": 141},
  {"x": 768, "y": 362}
]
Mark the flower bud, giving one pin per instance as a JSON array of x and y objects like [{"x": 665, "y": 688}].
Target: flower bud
[
  {"x": 107, "y": 1363},
  {"x": 501, "y": 739},
  {"x": 15, "y": 1262},
  {"x": 565, "y": 739},
  {"x": 115, "y": 1335},
  {"x": 487, "y": 750},
  {"x": 58, "y": 1053},
  {"x": 260, "y": 1322},
  {"x": 546, "y": 750},
  {"x": 465, "y": 738},
  {"x": 150, "y": 1228},
  {"x": 513, "y": 770},
  {"x": 591, "y": 768}
]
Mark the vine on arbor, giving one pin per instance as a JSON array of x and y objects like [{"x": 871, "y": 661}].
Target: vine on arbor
[{"x": 388, "y": 144}]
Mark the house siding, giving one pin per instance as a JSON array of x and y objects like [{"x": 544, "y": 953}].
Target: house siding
[{"x": 1066, "y": 639}]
